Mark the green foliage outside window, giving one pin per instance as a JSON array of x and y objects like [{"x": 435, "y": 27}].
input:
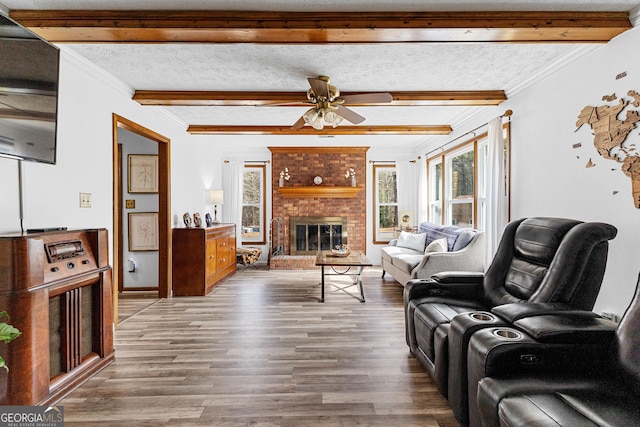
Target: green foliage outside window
[
  {"x": 388, "y": 216},
  {"x": 251, "y": 203},
  {"x": 462, "y": 174},
  {"x": 387, "y": 194}
]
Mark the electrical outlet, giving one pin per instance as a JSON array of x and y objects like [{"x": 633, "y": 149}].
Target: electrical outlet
[
  {"x": 85, "y": 200},
  {"x": 130, "y": 204}
]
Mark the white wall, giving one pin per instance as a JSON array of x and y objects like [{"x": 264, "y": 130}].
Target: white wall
[
  {"x": 88, "y": 98},
  {"x": 548, "y": 178}
]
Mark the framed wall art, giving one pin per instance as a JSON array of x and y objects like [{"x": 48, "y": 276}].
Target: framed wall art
[
  {"x": 143, "y": 231},
  {"x": 142, "y": 174}
]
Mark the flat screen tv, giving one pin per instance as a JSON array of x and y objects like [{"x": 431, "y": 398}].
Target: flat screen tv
[{"x": 29, "y": 68}]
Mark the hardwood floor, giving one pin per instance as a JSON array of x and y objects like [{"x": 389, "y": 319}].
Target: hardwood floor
[
  {"x": 261, "y": 350},
  {"x": 131, "y": 302}
]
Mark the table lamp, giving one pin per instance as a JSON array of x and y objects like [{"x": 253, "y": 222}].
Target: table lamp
[{"x": 215, "y": 199}]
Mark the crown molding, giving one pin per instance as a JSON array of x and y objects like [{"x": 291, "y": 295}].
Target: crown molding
[
  {"x": 551, "y": 68},
  {"x": 95, "y": 72},
  {"x": 109, "y": 80},
  {"x": 634, "y": 16}
]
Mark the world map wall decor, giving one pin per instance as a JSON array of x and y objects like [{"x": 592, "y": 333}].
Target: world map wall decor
[{"x": 611, "y": 135}]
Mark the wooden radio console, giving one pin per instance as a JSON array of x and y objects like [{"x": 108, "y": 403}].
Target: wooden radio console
[{"x": 56, "y": 286}]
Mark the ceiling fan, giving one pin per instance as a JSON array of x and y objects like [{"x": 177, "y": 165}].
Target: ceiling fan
[{"x": 330, "y": 107}]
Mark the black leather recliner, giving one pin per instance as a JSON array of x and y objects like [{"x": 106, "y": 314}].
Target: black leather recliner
[
  {"x": 581, "y": 390},
  {"x": 553, "y": 342},
  {"x": 551, "y": 260},
  {"x": 575, "y": 280}
]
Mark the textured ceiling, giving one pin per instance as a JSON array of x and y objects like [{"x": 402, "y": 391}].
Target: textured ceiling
[{"x": 352, "y": 67}]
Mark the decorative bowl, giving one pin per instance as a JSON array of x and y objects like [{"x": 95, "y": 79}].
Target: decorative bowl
[{"x": 340, "y": 252}]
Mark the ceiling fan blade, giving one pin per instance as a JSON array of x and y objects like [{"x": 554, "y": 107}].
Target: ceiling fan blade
[
  {"x": 320, "y": 87},
  {"x": 350, "y": 115},
  {"x": 299, "y": 123},
  {"x": 304, "y": 103},
  {"x": 368, "y": 98}
]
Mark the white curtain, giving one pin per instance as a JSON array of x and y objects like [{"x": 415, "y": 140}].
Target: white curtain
[
  {"x": 496, "y": 209},
  {"x": 232, "y": 178},
  {"x": 423, "y": 200},
  {"x": 406, "y": 182}
]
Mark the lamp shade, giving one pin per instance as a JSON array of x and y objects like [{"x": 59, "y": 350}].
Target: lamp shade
[{"x": 215, "y": 197}]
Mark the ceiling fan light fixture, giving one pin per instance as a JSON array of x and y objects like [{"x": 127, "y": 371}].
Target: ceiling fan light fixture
[
  {"x": 330, "y": 108},
  {"x": 317, "y": 124},
  {"x": 333, "y": 92},
  {"x": 311, "y": 96},
  {"x": 331, "y": 117},
  {"x": 311, "y": 115}
]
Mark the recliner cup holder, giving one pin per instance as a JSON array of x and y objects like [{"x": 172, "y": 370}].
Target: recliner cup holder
[
  {"x": 507, "y": 334},
  {"x": 482, "y": 317}
]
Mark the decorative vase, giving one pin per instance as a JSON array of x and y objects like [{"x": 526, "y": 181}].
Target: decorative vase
[
  {"x": 281, "y": 181},
  {"x": 353, "y": 181}
]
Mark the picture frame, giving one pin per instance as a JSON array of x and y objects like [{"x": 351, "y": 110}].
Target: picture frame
[
  {"x": 142, "y": 173},
  {"x": 143, "y": 231}
]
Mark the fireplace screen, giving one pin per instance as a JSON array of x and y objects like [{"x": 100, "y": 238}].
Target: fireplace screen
[{"x": 311, "y": 234}]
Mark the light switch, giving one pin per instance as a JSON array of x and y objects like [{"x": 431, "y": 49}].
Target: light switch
[
  {"x": 130, "y": 204},
  {"x": 85, "y": 200}
]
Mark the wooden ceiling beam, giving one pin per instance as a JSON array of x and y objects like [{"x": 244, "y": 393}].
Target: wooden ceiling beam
[
  {"x": 157, "y": 26},
  {"x": 307, "y": 130},
  {"x": 298, "y": 99}
]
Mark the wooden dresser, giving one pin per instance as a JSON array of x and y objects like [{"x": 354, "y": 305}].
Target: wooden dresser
[{"x": 201, "y": 258}]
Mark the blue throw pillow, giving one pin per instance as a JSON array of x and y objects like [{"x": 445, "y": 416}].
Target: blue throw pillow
[{"x": 464, "y": 238}]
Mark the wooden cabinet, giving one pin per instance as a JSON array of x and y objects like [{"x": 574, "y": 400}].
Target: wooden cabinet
[{"x": 201, "y": 258}]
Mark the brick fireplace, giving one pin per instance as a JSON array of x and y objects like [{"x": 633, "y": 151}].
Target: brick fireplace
[{"x": 334, "y": 197}]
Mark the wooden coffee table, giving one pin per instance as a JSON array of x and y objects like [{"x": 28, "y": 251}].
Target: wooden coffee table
[{"x": 355, "y": 259}]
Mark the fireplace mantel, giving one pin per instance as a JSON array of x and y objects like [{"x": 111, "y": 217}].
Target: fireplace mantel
[{"x": 327, "y": 192}]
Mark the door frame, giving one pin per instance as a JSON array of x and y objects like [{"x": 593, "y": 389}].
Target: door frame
[{"x": 164, "y": 207}]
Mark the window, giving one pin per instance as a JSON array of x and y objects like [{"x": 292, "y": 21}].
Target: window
[
  {"x": 460, "y": 187},
  {"x": 435, "y": 190},
  {"x": 460, "y": 174},
  {"x": 253, "y": 204},
  {"x": 386, "y": 202},
  {"x": 483, "y": 181}
]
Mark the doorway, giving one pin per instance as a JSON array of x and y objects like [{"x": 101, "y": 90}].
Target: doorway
[{"x": 164, "y": 208}]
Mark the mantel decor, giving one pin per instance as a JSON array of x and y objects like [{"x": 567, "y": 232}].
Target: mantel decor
[
  {"x": 284, "y": 175},
  {"x": 351, "y": 173},
  {"x": 328, "y": 192}
]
